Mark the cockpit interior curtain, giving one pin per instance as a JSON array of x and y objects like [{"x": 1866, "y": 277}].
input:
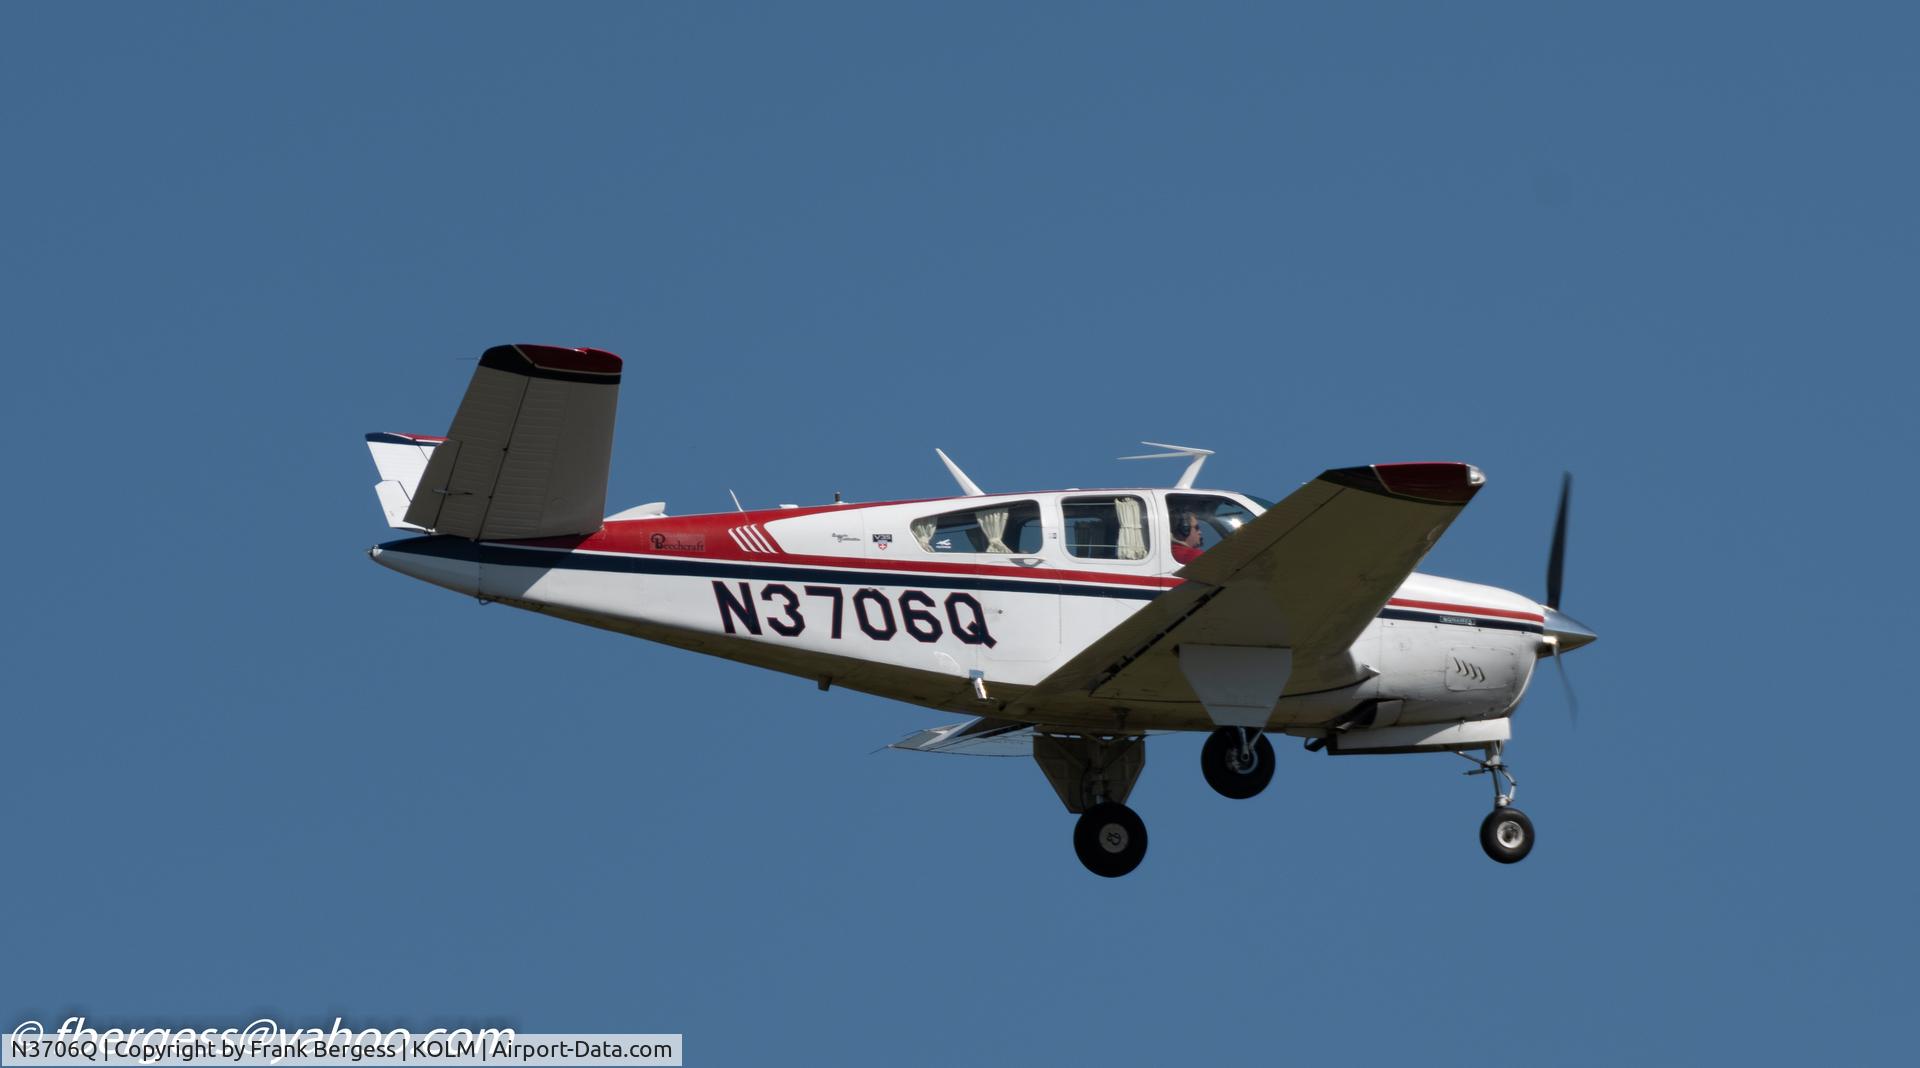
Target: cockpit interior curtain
[
  {"x": 923, "y": 531},
  {"x": 993, "y": 523},
  {"x": 1133, "y": 537}
]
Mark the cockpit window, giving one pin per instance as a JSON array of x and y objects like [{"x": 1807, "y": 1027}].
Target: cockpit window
[
  {"x": 1200, "y": 521},
  {"x": 1013, "y": 527}
]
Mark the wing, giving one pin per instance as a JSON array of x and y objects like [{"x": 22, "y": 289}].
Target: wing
[
  {"x": 527, "y": 454},
  {"x": 1274, "y": 609}
]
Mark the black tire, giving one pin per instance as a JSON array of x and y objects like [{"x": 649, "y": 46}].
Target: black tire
[
  {"x": 1227, "y": 780},
  {"x": 1507, "y": 835},
  {"x": 1110, "y": 840}
]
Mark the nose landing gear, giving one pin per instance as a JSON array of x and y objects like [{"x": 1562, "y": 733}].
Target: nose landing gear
[{"x": 1506, "y": 834}]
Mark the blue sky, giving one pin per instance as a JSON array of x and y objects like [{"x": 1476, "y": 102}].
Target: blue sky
[{"x": 1670, "y": 248}]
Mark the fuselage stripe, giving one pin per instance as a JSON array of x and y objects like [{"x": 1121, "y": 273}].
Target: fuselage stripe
[
  {"x": 508, "y": 556},
  {"x": 1452, "y": 609},
  {"x": 1457, "y": 620},
  {"x": 503, "y": 556}
]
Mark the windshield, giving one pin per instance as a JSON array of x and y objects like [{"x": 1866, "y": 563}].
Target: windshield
[{"x": 1200, "y": 521}]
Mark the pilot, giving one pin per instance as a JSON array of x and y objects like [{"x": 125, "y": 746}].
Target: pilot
[{"x": 1186, "y": 538}]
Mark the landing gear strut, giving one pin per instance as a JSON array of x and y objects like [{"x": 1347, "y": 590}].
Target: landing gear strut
[
  {"x": 1506, "y": 834},
  {"x": 1093, "y": 774},
  {"x": 1237, "y": 761}
]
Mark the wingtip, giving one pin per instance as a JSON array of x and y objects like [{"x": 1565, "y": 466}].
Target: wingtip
[
  {"x": 1436, "y": 483},
  {"x": 549, "y": 361}
]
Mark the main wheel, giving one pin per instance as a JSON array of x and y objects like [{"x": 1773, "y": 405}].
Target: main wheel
[
  {"x": 1110, "y": 839},
  {"x": 1231, "y": 770},
  {"x": 1507, "y": 835}
]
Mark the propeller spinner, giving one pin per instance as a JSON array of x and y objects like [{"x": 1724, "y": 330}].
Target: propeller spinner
[{"x": 1566, "y": 632}]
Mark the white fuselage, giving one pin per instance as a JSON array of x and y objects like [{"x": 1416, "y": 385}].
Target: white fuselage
[{"x": 861, "y": 596}]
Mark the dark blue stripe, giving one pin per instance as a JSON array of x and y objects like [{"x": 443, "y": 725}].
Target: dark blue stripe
[
  {"x": 501, "y": 556},
  {"x": 1461, "y": 620},
  {"x": 397, "y": 439}
]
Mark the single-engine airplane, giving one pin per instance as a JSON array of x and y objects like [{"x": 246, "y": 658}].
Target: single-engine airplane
[{"x": 1070, "y": 624}]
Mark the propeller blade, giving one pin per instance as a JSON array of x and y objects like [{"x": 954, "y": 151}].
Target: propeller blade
[
  {"x": 1566, "y": 683},
  {"x": 1562, "y": 630},
  {"x": 1557, "y": 557}
]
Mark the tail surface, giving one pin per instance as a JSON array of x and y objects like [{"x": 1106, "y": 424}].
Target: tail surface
[
  {"x": 401, "y": 460},
  {"x": 527, "y": 454}
]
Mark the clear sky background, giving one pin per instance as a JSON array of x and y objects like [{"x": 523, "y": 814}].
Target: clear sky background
[{"x": 1672, "y": 248}]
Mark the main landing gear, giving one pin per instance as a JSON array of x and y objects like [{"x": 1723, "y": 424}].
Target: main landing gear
[
  {"x": 1110, "y": 840},
  {"x": 1237, "y": 761},
  {"x": 1093, "y": 775},
  {"x": 1506, "y": 834}
]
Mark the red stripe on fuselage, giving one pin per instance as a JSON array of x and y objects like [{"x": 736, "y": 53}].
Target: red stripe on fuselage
[
  {"x": 1442, "y": 606},
  {"x": 634, "y": 538},
  {"x": 863, "y": 563},
  {"x": 731, "y": 552}
]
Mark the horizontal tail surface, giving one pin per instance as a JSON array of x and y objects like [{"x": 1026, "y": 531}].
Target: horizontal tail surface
[{"x": 401, "y": 459}]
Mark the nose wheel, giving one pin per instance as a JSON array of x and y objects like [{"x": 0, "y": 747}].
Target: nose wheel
[
  {"x": 1237, "y": 762},
  {"x": 1110, "y": 840},
  {"x": 1506, "y": 834}
]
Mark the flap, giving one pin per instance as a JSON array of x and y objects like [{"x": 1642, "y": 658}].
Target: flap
[{"x": 979, "y": 737}]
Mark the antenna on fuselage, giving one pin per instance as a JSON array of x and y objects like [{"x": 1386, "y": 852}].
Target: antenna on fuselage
[
  {"x": 736, "y": 501},
  {"x": 1176, "y": 452},
  {"x": 967, "y": 485}
]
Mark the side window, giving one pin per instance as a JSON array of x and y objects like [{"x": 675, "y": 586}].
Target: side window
[
  {"x": 1106, "y": 528},
  {"x": 1200, "y": 521},
  {"x": 1013, "y": 527}
]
